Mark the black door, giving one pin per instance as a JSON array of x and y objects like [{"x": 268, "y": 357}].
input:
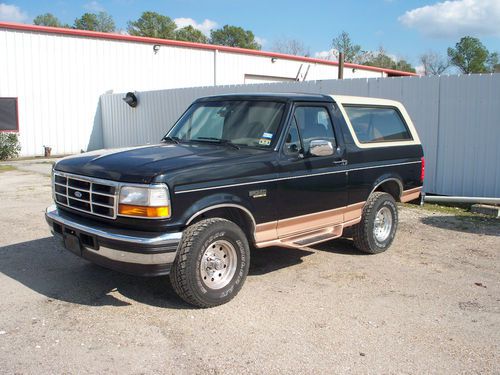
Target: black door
[{"x": 312, "y": 190}]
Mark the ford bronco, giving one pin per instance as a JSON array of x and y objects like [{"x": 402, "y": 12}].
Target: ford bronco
[{"x": 236, "y": 172}]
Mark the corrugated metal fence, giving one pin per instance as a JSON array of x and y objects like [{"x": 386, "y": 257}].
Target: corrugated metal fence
[{"x": 457, "y": 117}]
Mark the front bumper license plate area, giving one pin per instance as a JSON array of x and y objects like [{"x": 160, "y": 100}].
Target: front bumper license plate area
[
  {"x": 143, "y": 255},
  {"x": 72, "y": 243},
  {"x": 73, "y": 240}
]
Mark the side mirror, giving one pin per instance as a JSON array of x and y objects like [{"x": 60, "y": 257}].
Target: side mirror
[{"x": 321, "y": 147}]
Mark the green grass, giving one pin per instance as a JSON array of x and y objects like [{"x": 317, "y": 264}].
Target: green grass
[
  {"x": 460, "y": 211},
  {"x": 7, "y": 168}
]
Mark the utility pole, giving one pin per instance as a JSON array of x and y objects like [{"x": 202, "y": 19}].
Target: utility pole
[{"x": 341, "y": 65}]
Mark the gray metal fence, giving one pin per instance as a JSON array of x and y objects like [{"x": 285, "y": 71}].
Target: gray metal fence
[{"x": 457, "y": 117}]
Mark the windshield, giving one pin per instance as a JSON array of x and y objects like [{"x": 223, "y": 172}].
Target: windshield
[{"x": 240, "y": 122}]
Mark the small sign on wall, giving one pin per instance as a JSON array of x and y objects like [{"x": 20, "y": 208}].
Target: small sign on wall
[{"x": 9, "y": 115}]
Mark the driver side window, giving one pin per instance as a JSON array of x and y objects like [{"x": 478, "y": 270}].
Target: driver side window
[{"x": 314, "y": 123}]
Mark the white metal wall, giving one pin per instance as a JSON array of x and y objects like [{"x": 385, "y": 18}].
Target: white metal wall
[
  {"x": 59, "y": 79},
  {"x": 457, "y": 117}
]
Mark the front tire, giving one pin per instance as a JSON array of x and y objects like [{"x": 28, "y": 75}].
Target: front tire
[
  {"x": 212, "y": 263},
  {"x": 379, "y": 221}
]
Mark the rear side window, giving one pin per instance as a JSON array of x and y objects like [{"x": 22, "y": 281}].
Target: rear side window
[{"x": 377, "y": 124}]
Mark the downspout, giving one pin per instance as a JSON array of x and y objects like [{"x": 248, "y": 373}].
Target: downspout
[{"x": 216, "y": 52}]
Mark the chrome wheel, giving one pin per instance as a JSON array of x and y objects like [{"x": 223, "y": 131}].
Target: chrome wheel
[
  {"x": 218, "y": 264},
  {"x": 383, "y": 224}
]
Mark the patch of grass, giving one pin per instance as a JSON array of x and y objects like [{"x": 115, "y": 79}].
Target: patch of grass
[
  {"x": 455, "y": 209},
  {"x": 35, "y": 158},
  {"x": 460, "y": 211},
  {"x": 7, "y": 168}
]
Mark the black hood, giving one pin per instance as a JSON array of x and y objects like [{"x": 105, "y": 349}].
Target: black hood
[{"x": 143, "y": 164}]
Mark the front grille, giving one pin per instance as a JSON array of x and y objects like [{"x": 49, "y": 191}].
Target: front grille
[{"x": 86, "y": 194}]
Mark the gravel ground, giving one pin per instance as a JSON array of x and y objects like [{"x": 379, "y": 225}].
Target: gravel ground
[{"x": 430, "y": 304}]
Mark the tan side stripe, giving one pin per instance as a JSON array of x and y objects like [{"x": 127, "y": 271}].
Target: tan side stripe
[
  {"x": 411, "y": 194},
  {"x": 354, "y": 211},
  {"x": 266, "y": 231},
  {"x": 274, "y": 230}
]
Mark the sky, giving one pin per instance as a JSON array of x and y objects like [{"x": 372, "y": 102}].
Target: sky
[{"x": 404, "y": 28}]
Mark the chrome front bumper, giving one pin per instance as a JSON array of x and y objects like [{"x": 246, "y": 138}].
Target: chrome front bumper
[{"x": 144, "y": 253}]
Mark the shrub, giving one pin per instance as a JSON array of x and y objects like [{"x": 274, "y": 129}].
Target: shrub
[{"x": 9, "y": 145}]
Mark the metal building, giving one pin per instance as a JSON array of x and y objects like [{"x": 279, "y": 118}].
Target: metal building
[{"x": 58, "y": 75}]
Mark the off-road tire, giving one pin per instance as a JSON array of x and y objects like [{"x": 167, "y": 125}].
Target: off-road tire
[
  {"x": 363, "y": 232},
  {"x": 185, "y": 274}
]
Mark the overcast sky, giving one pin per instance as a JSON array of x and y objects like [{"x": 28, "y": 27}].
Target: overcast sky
[{"x": 405, "y": 28}]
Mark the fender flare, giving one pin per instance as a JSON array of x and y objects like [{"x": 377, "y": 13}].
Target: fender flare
[
  {"x": 387, "y": 178},
  {"x": 215, "y": 201}
]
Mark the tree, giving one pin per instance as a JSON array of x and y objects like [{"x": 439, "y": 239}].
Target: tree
[
  {"x": 382, "y": 60},
  {"x": 352, "y": 52},
  {"x": 234, "y": 36},
  {"x": 153, "y": 25},
  {"x": 470, "y": 56},
  {"x": 190, "y": 34},
  {"x": 290, "y": 47},
  {"x": 403, "y": 66},
  {"x": 9, "y": 146},
  {"x": 101, "y": 21},
  {"x": 433, "y": 64},
  {"x": 493, "y": 63},
  {"x": 47, "y": 19}
]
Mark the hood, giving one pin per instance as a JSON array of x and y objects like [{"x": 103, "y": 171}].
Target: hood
[{"x": 143, "y": 164}]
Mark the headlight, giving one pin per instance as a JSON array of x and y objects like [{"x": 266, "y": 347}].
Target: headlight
[{"x": 150, "y": 202}]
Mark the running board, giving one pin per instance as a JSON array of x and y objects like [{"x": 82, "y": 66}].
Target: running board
[
  {"x": 309, "y": 238},
  {"x": 313, "y": 238}
]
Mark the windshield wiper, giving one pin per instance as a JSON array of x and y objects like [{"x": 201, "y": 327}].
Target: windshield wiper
[
  {"x": 218, "y": 140},
  {"x": 175, "y": 140}
]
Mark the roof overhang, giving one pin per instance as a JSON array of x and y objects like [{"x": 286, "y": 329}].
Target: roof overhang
[{"x": 178, "y": 43}]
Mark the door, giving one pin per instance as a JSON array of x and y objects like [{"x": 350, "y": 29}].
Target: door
[{"x": 312, "y": 190}]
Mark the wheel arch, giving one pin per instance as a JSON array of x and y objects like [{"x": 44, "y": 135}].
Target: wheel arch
[
  {"x": 234, "y": 212},
  {"x": 392, "y": 185}
]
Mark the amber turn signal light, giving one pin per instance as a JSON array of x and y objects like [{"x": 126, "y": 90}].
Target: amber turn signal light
[{"x": 144, "y": 211}]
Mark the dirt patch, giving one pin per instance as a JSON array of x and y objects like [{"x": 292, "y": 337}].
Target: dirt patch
[{"x": 430, "y": 304}]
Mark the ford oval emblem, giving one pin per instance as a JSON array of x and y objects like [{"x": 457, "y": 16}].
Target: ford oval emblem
[{"x": 78, "y": 194}]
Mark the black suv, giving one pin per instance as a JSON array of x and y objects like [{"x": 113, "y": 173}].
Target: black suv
[{"x": 235, "y": 172}]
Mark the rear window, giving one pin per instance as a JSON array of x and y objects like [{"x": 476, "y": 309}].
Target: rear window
[{"x": 377, "y": 124}]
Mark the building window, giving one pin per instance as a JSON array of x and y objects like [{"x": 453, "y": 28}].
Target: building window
[{"x": 8, "y": 115}]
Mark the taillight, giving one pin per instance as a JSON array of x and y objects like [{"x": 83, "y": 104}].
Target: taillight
[{"x": 422, "y": 170}]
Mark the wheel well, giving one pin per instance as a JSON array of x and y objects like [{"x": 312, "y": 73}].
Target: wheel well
[
  {"x": 392, "y": 187},
  {"x": 236, "y": 215}
]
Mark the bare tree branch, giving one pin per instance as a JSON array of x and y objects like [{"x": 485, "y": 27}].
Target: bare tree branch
[
  {"x": 290, "y": 47},
  {"x": 434, "y": 64}
]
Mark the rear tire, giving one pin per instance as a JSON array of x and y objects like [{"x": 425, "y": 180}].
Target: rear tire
[
  {"x": 376, "y": 230},
  {"x": 212, "y": 263}
]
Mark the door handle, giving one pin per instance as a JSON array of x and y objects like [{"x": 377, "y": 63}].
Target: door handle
[{"x": 340, "y": 162}]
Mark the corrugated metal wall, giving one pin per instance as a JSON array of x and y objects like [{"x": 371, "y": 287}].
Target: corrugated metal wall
[{"x": 457, "y": 117}]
